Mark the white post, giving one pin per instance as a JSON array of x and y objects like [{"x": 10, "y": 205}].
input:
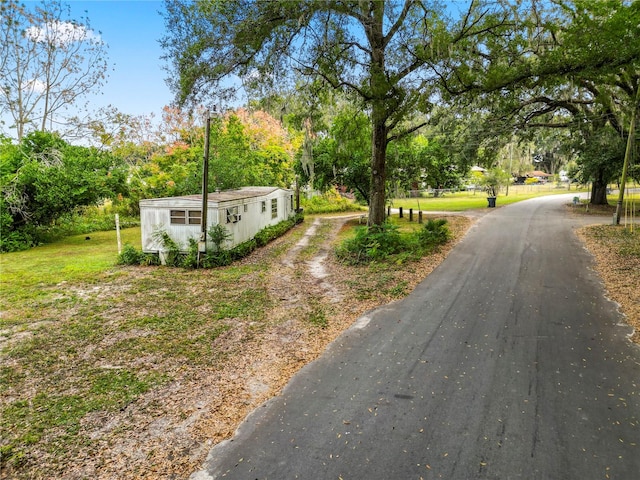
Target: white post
[{"x": 118, "y": 234}]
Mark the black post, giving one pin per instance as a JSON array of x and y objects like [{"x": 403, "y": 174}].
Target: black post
[
  {"x": 411, "y": 214},
  {"x": 420, "y": 216},
  {"x": 202, "y": 247},
  {"x": 400, "y": 212}
]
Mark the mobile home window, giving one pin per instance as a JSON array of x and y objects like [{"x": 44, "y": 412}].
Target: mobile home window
[
  {"x": 232, "y": 215},
  {"x": 178, "y": 217},
  {"x": 274, "y": 208},
  {"x": 194, "y": 217},
  {"x": 263, "y": 206},
  {"x": 185, "y": 217}
]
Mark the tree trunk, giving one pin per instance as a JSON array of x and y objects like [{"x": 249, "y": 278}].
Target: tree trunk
[
  {"x": 599, "y": 189},
  {"x": 379, "y": 92},
  {"x": 378, "y": 172}
]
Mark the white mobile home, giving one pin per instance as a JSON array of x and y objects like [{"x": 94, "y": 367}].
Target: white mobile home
[{"x": 243, "y": 212}]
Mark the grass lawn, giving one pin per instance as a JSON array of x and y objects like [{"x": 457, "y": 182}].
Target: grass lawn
[
  {"x": 41, "y": 271},
  {"x": 460, "y": 201}
]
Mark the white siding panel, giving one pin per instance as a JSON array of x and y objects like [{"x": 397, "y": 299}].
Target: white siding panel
[{"x": 155, "y": 214}]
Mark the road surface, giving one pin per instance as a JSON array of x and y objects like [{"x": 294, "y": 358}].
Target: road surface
[{"x": 507, "y": 362}]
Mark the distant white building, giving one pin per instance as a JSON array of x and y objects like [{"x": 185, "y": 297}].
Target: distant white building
[{"x": 243, "y": 212}]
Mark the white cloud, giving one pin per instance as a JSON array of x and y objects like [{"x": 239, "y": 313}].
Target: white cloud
[
  {"x": 61, "y": 33},
  {"x": 34, "y": 85}
]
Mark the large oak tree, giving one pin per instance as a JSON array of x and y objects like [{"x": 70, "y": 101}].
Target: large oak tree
[
  {"x": 383, "y": 52},
  {"x": 573, "y": 65}
]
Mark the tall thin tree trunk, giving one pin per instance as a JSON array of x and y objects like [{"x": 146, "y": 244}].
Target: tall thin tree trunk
[{"x": 379, "y": 91}]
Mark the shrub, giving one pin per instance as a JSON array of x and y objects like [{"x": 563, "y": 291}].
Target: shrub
[
  {"x": 268, "y": 234},
  {"x": 171, "y": 248},
  {"x": 132, "y": 256},
  {"x": 190, "y": 260},
  {"x": 218, "y": 234},
  {"x": 372, "y": 244},
  {"x": 215, "y": 259},
  {"x": 387, "y": 243},
  {"x": 129, "y": 255},
  {"x": 243, "y": 250},
  {"x": 328, "y": 202},
  {"x": 435, "y": 232}
]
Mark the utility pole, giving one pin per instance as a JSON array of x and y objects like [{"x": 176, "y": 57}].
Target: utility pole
[
  {"x": 510, "y": 166},
  {"x": 202, "y": 245},
  {"x": 627, "y": 155}
]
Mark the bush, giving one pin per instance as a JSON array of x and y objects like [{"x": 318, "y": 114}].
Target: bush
[
  {"x": 372, "y": 244},
  {"x": 243, "y": 250},
  {"x": 329, "y": 202},
  {"x": 268, "y": 234},
  {"x": 190, "y": 260},
  {"x": 219, "y": 257},
  {"x": 129, "y": 255},
  {"x": 171, "y": 248},
  {"x": 435, "y": 232},
  {"x": 218, "y": 234},
  {"x": 387, "y": 243},
  {"x": 132, "y": 256}
]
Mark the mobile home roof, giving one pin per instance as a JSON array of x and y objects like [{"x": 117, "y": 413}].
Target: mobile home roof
[{"x": 213, "y": 198}]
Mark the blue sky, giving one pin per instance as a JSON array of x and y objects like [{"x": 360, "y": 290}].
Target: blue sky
[{"x": 132, "y": 29}]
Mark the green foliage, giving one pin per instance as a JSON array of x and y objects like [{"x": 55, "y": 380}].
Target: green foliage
[
  {"x": 344, "y": 157},
  {"x": 431, "y": 162},
  {"x": 493, "y": 180},
  {"x": 218, "y": 234},
  {"x": 435, "y": 232},
  {"x": 219, "y": 258},
  {"x": 272, "y": 232},
  {"x": 129, "y": 255},
  {"x": 48, "y": 179},
  {"x": 190, "y": 260},
  {"x": 328, "y": 202},
  {"x": 243, "y": 250},
  {"x": 387, "y": 243},
  {"x": 12, "y": 240},
  {"x": 246, "y": 148},
  {"x": 171, "y": 250},
  {"x": 372, "y": 244}
]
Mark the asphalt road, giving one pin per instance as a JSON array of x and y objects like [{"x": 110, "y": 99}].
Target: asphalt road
[{"x": 507, "y": 362}]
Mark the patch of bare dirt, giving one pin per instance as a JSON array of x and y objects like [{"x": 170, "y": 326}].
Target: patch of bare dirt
[{"x": 620, "y": 273}]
